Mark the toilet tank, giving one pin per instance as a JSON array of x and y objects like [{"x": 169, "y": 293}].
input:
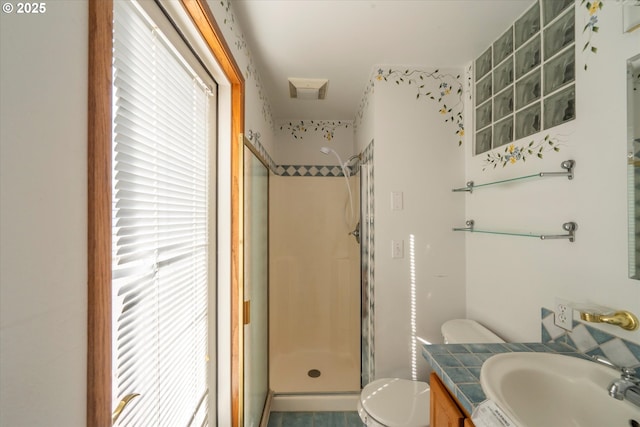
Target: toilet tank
[{"x": 467, "y": 331}]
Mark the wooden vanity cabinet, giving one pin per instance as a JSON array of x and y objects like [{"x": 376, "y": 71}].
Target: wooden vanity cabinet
[{"x": 445, "y": 411}]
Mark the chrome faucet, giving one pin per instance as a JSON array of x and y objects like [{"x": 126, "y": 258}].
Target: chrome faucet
[{"x": 627, "y": 387}]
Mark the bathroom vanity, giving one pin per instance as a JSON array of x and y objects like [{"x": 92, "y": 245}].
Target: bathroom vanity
[
  {"x": 444, "y": 409},
  {"x": 455, "y": 380}
]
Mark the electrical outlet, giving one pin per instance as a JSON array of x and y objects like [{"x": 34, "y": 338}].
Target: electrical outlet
[{"x": 563, "y": 314}]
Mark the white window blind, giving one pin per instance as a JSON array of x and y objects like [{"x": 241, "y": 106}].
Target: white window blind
[{"x": 160, "y": 227}]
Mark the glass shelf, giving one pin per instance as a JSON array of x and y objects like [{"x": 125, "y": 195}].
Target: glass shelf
[
  {"x": 567, "y": 165},
  {"x": 569, "y": 227}
]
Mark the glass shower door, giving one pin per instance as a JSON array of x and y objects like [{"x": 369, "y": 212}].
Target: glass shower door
[{"x": 256, "y": 274}]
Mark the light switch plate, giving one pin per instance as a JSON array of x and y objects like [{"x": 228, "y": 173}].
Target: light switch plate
[
  {"x": 397, "y": 202},
  {"x": 397, "y": 249}
]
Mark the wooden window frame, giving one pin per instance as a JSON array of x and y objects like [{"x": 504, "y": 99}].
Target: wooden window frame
[{"x": 99, "y": 405}]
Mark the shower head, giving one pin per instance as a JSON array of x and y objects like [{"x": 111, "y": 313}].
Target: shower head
[
  {"x": 345, "y": 171},
  {"x": 327, "y": 150},
  {"x": 352, "y": 158}
]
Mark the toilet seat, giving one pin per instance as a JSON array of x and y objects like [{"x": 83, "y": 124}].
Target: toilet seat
[{"x": 395, "y": 402}]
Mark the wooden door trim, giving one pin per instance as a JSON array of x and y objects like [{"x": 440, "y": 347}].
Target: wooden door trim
[
  {"x": 99, "y": 215},
  {"x": 203, "y": 19}
]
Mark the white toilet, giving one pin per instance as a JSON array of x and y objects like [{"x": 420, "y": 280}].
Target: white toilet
[{"x": 396, "y": 402}]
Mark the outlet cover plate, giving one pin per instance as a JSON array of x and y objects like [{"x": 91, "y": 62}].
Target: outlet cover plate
[{"x": 563, "y": 314}]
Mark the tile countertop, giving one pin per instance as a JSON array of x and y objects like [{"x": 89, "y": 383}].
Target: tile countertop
[{"x": 458, "y": 365}]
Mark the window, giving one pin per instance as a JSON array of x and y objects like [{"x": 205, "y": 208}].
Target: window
[
  {"x": 224, "y": 331},
  {"x": 163, "y": 117},
  {"x": 524, "y": 82}
]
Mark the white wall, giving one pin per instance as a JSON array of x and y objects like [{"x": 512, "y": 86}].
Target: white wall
[
  {"x": 43, "y": 202},
  {"x": 510, "y": 278},
  {"x": 416, "y": 153}
]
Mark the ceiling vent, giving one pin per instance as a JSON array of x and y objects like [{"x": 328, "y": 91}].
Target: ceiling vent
[{"x": 308, "y": 88}]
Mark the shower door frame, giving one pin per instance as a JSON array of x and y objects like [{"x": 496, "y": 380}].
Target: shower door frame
[
  {"x": 247, "y": 356},
  {"x": 367, "y": 263}
]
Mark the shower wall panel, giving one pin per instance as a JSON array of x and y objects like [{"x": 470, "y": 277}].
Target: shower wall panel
[{"x": 314, "y": 286}]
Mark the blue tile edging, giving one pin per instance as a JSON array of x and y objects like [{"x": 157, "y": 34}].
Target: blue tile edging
[
  {"x": 589, "y": 340},
  {"x": 458, "y": 365}
]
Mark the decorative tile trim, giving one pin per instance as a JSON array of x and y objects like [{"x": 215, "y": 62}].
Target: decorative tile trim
[
  {"x": 302, "y": 170},
  {"x": 459, "y": 365},
  {"x": 367, "y": 154},
  {"x": 590, "y": 341},
  {"x": 368, "y": 273},
  {"x": 311, "y": 170}
]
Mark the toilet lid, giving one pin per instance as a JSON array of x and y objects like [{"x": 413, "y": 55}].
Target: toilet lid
[
  {"x": 397, "y": 402},
  {"x": 467, "y": 331}
]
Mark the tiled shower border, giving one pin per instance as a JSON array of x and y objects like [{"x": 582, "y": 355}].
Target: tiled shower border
[
  {"x": 311, "y": 170},
  {"x": 298, "y": 170}
]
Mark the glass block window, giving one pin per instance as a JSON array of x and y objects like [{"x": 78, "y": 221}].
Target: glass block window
[{"x": 525, "y": 81}]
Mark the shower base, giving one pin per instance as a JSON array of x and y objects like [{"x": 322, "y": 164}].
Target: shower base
[
  {"x": 339, "y": 402},
  {"x": 314, "y": 372}
]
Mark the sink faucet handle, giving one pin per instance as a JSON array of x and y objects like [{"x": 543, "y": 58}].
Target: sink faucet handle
[
  {"x": 604, "y": 361},
  {"x": 628, "y": 372}
]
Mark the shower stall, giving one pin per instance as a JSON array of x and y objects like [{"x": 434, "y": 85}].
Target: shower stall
[
  {"x": 315, "y": 292},
  {"x": 322, "y": 278}
]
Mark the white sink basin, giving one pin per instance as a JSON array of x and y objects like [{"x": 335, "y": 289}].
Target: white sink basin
[{"x": 553, "y": 390}]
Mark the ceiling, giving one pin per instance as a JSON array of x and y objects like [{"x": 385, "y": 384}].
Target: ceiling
[{"x": 343, "y": 40}]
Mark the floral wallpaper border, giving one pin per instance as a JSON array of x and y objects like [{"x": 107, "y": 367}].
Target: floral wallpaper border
[
  {"x": 593, "y": 7},
  {"x": 325, "y": 127},
  {"x": 250, "y": 71},
  {"x": 514, "y": 153},
  {"x": 364, "y": 102},
  {"x": 443, "y": 89}
]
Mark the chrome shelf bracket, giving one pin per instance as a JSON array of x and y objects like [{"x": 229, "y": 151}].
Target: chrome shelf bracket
[
  {"x": 567, "y": 165},
  {"x": 570, "y": 227}
]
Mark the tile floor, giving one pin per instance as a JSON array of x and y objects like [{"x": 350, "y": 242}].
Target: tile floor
[{"x": 314, "y": 419}]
